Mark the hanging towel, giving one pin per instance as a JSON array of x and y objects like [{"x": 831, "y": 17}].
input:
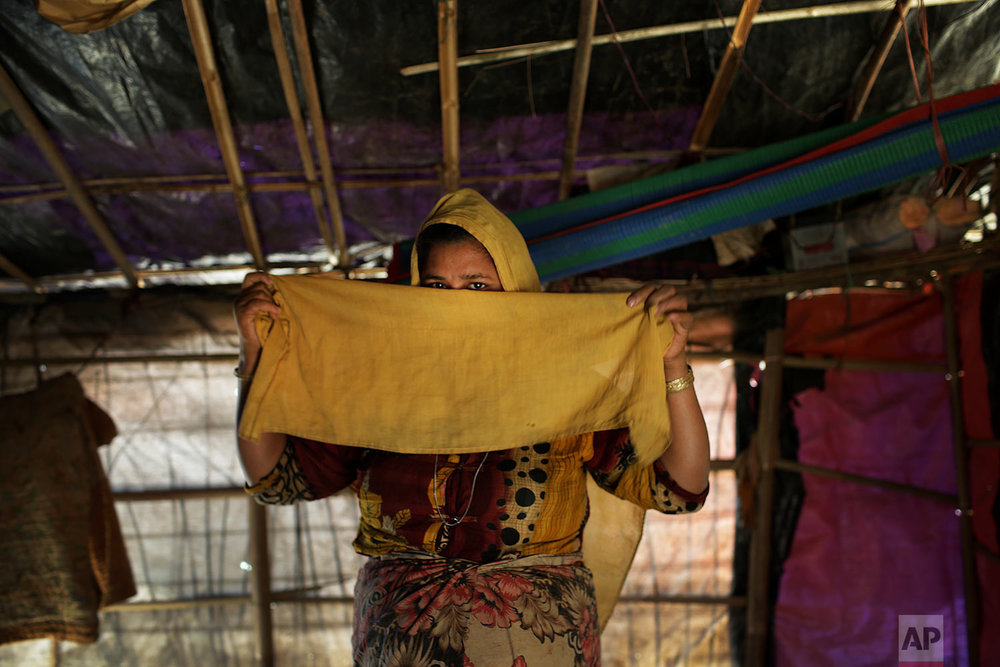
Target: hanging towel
[{"x": 451, "y": 371}]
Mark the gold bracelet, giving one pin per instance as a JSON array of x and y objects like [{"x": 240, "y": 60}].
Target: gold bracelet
[
  {"x": 243, "y": 377},
  {"x": 681, "y": 383}
]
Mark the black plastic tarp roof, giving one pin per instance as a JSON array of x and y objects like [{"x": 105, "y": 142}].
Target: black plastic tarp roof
[{"x": 128, "y": 102}]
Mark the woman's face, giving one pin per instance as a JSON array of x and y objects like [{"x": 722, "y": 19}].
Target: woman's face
[{"x": 463, "y": 265}]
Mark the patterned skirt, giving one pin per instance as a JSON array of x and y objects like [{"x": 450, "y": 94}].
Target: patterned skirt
[{"x": 418, "y": 610}]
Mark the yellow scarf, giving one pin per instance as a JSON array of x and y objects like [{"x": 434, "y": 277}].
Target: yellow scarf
[{"x": 452, "y": 371}]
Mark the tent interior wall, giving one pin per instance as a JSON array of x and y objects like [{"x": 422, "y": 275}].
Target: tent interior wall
[{"x": 153, "y": 152}]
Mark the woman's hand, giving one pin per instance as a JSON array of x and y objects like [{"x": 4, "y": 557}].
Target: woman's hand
[
  {"x": 255, "y": 297},
  {"x": 661, "y": 299},
  {"x": 687, "y": 457}
]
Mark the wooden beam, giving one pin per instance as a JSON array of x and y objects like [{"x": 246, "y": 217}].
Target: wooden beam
[
  {"x": 577, "y": 94},
  {"x": 967, "y": 537},
  {"x": 207, "y": 493},
  {"x": 725, "y": 75},
  {"x": 766, "y": 443},
  {"x": 16, "y": 272},
  {"x": 207, "y": 67},
  {"x": 794, "y": 466},
  {"x": 780, "y": 16},
  {"x": 877, "y": 59},
  {"x": 817, "y": 363},
  {"x": 303, "y": 54},
  {"x": 301, "y": 137},
  {"x": 288, "y": 186},
  {"x": 447, "y": 14},
  {"x": 74, "y": 188},
  {"x": 260, "y": 584}
]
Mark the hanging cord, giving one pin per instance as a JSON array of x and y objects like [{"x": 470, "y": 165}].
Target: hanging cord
[
  {"x": 909, "y": 52},
  {"x": 948, "y": 170},
  {"x": 628, "y": 63},
  {"x": 811, "y": 117}
]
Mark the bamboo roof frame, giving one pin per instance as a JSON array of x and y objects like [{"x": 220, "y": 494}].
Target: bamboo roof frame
[
  {"x": 301, "y": 137},
  {"x": 447, "y": 22},
  {"x": 74, "y": 188},
  {"x": 201, "y": 39},
  {"x": 958, "y": 437},
  {"x": 700, "y": 292},
  {"x": 514, "y": 52},
  {"x": 16, "y": 272},
  {"x": 724, "y": 76},
  {"x": 577, "y": 95},
  {"x": 54, "y": 189},
  {"x": 303, "y": 54},
  {"x": 871, "y": 70}
]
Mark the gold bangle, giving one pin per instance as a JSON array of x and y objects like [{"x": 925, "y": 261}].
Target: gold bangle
[
  {"x": 243, "y": 377},
  {"x": 681, "y": 383}
]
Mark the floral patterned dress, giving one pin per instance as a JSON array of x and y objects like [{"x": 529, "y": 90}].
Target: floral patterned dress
[{"x": 475, "y": 557}]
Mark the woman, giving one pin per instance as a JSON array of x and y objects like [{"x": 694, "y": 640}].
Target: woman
[{"x": 476, "y": 557}]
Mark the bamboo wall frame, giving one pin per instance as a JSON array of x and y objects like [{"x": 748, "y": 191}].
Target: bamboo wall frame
[{"x": 757, "y": 608}]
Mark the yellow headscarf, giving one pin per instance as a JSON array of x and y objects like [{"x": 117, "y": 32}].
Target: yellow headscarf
[{"x": 471, "y": 211}]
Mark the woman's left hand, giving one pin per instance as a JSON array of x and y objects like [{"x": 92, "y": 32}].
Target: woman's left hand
[{"x": 661, "y": 299}]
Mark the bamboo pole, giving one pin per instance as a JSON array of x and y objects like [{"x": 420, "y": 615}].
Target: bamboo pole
[
  {"x": 577, "y": 95},
  {"x": 288, "y": 187},
  {"x": 766, "y": 442},
  {"x": 780, "y": 16},
  {"x": 74, "y": 188},
  {"x": 907, "y": 266},
  {"x": 300, "y": 38},
  {"x": 16, "y": 272},
  {"x": 447, "y": 15},
  {"x": 300, "y": 596},
  {"x": 798, "y": 361},
  {"x": 54, "y": 282},
  {"x": 207, "y": 68},
  {"x": 260, "y": 584},
  {"x": 966, "y": 533},
  {"x": 725, "y": 76},
  {"x": 169, "y": 605},
  {"x": 295, "y": 113},
  {"x": 875, "y": 62},
  {"x": 794, "y": 466},
  {"x": 43, "y": 191},
  {"x": 207, "y": 493}
]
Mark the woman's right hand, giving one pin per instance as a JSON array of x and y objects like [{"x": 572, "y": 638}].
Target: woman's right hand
[{"x": 255, "y": 297}]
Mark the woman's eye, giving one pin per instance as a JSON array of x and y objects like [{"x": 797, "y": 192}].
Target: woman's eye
[
  {"x": 436, "y": 285},
  {"x": 477, "y": 286}
]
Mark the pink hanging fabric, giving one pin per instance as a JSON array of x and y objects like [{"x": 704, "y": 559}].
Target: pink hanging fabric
[{"x": 862, "y": 556}]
